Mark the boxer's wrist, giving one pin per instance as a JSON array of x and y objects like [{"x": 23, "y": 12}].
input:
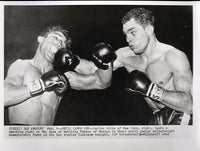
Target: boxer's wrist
[
  {"x": 155, "y": 92},
  {"x": 75, "y": 62},
  {"x": 36, "y": 87}
]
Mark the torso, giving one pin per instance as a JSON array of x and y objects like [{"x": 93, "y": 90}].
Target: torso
[
  {"x": 37, "y": 110},
  {"x": 158, "y": 71}
]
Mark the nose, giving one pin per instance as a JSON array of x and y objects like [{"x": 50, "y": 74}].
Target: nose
[
  {"x": 129, "y": 38},
  {"x": 59, "y": 45}
]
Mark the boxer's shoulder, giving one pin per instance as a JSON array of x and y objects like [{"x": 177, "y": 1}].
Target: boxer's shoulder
[
  {"x": 170, "y": 50},
  {"x": 21, "y": 64},
  {"x": 16, "y": 67},
  {"x": 175, "y": 55},
  {"x": 124, "y": 52},
  {"x": 21, "y": 68}
]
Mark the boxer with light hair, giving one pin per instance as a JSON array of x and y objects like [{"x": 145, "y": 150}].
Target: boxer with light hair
[{"x": 33, "y": 88}]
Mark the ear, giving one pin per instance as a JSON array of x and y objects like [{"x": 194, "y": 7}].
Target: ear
[
  {"x": 40, "y": 39},
  {"x": 149, "y": 29}
]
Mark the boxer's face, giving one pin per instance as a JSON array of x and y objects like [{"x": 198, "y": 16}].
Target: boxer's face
[
  {"x": 51, "y": 43},
  {"x": 136, "y": 36}
]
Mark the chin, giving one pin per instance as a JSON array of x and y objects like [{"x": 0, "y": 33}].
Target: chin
[
  {"x": 139, "y": 53},
  {"x": 136, "y": 52}
]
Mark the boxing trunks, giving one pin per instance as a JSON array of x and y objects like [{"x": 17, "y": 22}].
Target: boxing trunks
[{"x": 168, "y": 116}]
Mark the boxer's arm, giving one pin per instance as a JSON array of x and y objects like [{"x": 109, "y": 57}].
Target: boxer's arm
[
  {"x": 101, "y": 79},
  {"x": 90, "y": 77},
  {"x": 119, "y": 61},
  {"x": 14, "y": 91},
  {"x": 86, "y": 67},
  {"x": 96, "y": 74},
  {"x": 126, "y": 58},
  {"x": 14, "y": 94},
  {"x": 181, "y": 98}
]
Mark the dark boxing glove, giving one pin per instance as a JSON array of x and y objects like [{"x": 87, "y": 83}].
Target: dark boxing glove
[
  {"x": 138, "y": 82},
  {"x": 64, "y": 60},
  {"x": 50, "y": 81},
  {"x": 167, "y": 116},
  {"x": 103, "y": 55}
]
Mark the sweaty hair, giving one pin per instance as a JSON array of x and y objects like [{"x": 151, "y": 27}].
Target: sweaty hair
[
  {"x": 60, "y": 29},
  {"x": 142, "y": 16}
]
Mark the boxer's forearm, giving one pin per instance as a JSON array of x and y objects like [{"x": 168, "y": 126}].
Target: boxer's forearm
[
  {"x": 105, "y": 77},
  {"x": 87, "y": 82},
  {"x": 15, "y": 95},
  {"x": 178, "y": 100}
]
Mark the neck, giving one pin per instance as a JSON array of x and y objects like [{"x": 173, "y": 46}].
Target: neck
[
  {"x": 152, "y": 50},
  {"x": 41, "y": 63}
]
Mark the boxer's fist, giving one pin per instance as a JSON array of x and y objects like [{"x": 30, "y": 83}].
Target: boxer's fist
[
  {"x": 138, "y": 82},
  {"x": 64, "y": 60},
  {"x": 50, "y": 81},
  {"x": 103, "y": 55}
]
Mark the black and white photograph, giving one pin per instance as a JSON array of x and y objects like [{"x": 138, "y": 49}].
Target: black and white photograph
[
  {"x": 98, "y": 65},
  {"x": 100, "y": 70}
]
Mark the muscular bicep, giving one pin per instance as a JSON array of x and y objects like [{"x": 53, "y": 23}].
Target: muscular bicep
[
  {"x": 85, "y": 67},
  {"x": 182, "y": 75},
  {"x": 183, "y": 82},
  {"x": 13, "y": 77},
  {"x": 14, "y": 90},
  {"x": 11, "y": 82},
  {"x": 83, "y": 82}
]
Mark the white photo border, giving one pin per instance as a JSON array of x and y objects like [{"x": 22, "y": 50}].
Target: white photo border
[{"x": 190, "y": 140}]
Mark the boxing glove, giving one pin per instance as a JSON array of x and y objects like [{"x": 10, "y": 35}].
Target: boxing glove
[
  {"x": 138, "y": 82},
  {"x": 50, "y": 81},
  {"x": 168, "y": 116},
  {"x": 64, "y": 60},
  {"x": 103, "y": 55}
]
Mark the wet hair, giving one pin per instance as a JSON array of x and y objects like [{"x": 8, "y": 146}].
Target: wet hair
[
  {"x": 60, "y": 29},
  {"x": 142, "y": 16}
]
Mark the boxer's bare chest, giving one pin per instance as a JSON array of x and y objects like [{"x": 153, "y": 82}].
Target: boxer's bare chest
[
  {"x": 48, "y": 98},
  {"x": 160, "y": 73},
  {"x": 36, "y": 110}
]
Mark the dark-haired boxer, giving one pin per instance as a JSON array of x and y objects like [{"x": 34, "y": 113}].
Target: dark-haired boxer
[
  {"x": 165, "y": 66},
  {"x": 33, "y": 88}
]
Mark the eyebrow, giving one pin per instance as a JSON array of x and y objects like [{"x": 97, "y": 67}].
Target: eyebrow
[
  {"x": 56, "y": 33},
  {"x": 131, "y": 29}
]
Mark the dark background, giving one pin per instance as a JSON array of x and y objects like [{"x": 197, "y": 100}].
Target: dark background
[{"x": 89, "y": 25}]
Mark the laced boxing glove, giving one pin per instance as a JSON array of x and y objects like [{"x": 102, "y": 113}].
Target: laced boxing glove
[
  {"x": 50, "y": 81},
  {"x": 103, "y": 55},
  {"x": 64, "y": 60},
  {"x": 138, "y": 82}
]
